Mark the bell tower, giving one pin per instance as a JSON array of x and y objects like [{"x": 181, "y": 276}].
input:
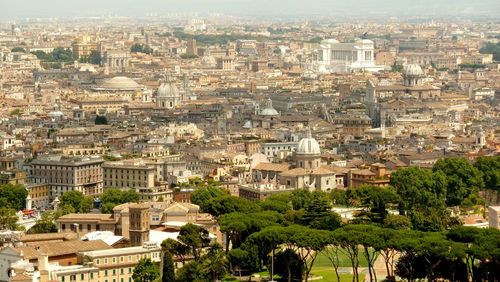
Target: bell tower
[{"x": 140, "y": 220}]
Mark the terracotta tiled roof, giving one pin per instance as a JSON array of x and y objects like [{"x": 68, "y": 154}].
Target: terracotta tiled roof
[
  {"x": 295, "y": 172},
  {"x": 323, "y": 170},
  {"x": 86, "y": 216},
  {"x": 272, "y": 167},
  {"x": 61, "y": 248}
]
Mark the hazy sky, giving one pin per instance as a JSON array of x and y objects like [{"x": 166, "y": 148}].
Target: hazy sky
[{"x": 72, "y": 8}]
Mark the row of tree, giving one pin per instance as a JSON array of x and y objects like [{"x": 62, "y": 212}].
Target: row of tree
[{"x": 295, "y": 228}]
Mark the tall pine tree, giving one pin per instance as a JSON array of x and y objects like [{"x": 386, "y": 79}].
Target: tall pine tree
[{"x": 168, "y": 268}]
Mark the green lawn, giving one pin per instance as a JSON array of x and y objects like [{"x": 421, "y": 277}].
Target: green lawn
[
  {"x": 322, "y": 267},
  {"x": 322, "y": 260}
]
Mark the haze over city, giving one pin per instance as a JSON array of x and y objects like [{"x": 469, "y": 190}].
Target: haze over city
[{"x": 258, "y": 8}]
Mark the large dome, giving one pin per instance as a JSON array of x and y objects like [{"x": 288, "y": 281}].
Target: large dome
[
  {"x": 168, "y": 89},
  {"x": 413, "y": 69},
  {"x": 120, "y": 83},
  {"x": 308, "y": 146}
]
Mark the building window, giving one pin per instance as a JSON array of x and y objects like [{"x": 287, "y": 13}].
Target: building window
[
  {"x": 82, "y": 276},
  {"x": 97, "y": 261}
]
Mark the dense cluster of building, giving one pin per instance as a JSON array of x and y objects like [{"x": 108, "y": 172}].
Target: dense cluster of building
[{"x": 277, "y": 113}]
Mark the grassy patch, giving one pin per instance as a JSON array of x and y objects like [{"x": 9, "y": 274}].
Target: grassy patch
[{"x": 322, "y": 260}]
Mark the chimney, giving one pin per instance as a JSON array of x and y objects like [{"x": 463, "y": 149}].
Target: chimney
[
  {"x": 43, "y": 262},
  {"x": 77, "y": 230}
]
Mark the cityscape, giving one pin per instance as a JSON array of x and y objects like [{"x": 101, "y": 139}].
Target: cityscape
[{"x": 236, "y": 140}]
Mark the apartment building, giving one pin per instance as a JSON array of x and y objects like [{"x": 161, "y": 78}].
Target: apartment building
[
  {"x": 137, "y": 175},
  {"x": 112, "y": 265},
  {"x": 64, "y": 174}
]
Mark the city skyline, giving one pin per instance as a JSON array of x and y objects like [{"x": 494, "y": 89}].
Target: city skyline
[{"x": 257, "y": 8}]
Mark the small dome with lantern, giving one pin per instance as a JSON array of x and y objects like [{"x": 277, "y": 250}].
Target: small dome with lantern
[
  {"x": 269, "y": 110},
  {"x": 308, "y": 146}
]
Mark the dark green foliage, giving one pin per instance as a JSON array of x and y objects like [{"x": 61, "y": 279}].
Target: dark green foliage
[
  {"x": 192, "y": 272},
  {"x": 490, "y": 171},
  {"x": 113, "y": 197},
  {"x": 46, "y": 224},
  {"x": 208, "y": 39},
  {"x": 202, "y": 196},
  {"x": 397, "y": 222},
  {"x": 14, "y": 195},
  {"x": 226, "y": 204},
  {"x": 288, "y": 266},
  {"x": 189, "y": 56},
  {"x": 462, "y": 179},
  {"x": 397, "y": 68},
  {"x": 491, "y": 48},
  {"x": 145, "y": 271},
  {"x": 238, "y": 226},
  {"x": 471, "y": 66},
  {"x": 141, "y": 48},
  {"x": 279, "y": 202},
  {"x": 339, "y": 197},
  {"x": 330, "y": 221},
  {"x": 8, "y": 219},
  {"x": 175, "y": 248},
  {"x": 195, "y": 237},
  {"x": 18, "y": 49},
  {"x": 168, "y": 272},
  {"x": 300, "y": 199},
  {"x": 419, "y": 188},
  {"x": 244, "y": 259},
  {"x": 256, "y": 234},
  {"x": 215, "y": 263},
  {"x": 93, "y": 58},
  {"x": 59, "y": 54},
  {"x": 101, "y": 120},
  {"x": 375, "y": 200},
  {"x": 76, "y": 199}
]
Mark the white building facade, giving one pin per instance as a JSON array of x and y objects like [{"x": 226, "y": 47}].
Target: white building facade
[{"x": 334, "y": 56}]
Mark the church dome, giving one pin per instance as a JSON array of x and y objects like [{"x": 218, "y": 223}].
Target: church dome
[
  {"x": 269, "y": 110},
  {"x": 120, "y": 83},
  {"x": 308, "y": 146},
  {"x": 413, "y": 70},
  {"x": 168, "y": 89}
]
